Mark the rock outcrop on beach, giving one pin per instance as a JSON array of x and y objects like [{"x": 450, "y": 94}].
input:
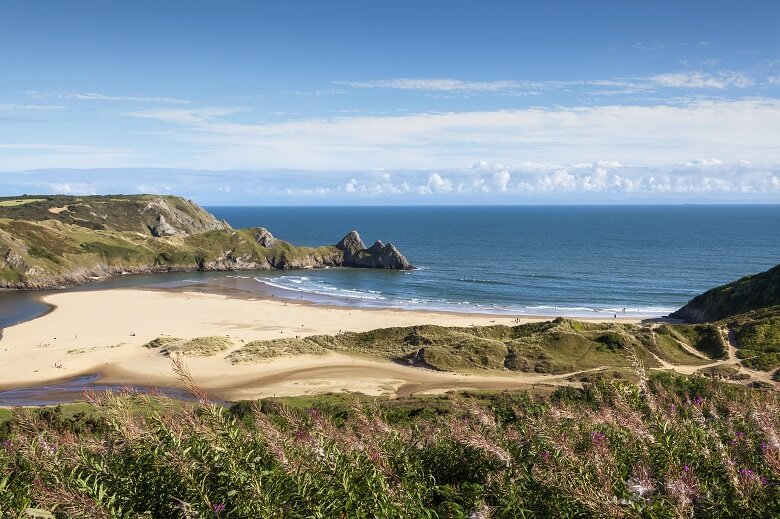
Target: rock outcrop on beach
[
  {"x": 377, "y": 256},
  {"x": 264, "y": 237},
  {"x": 54, "y": 241},
  {"x": 744, "y": 295}
]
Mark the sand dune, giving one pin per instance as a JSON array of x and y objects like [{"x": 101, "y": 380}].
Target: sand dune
[{"x": 103, "y": 332}]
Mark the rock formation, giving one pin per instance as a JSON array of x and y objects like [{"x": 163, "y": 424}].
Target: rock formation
[
  {"x": 378, "y": 255},
  {"x": 106, "y": 236},
  {"x": 264, "y": 237}
]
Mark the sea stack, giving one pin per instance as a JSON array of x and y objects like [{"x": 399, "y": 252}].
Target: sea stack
[{"x": 379, "y": 255}]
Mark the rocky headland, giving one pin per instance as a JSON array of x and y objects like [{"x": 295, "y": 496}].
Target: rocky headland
[{"x": 55, "y": 241}]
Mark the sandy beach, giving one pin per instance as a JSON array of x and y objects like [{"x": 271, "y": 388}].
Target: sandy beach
[{"x": 104, "y": 332}]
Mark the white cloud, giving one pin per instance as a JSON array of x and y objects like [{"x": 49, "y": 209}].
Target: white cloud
[
  {"x": 95, "y": 96},
  {"x": 702, "y": 80},
  {"x": 702, "y": 163},
  {"x": 67, "y": 188},
  {"x": 694, "y": 80},
  {"x": 442, "y": 85},
  {"x": 501, "y": 181},
  {"x": 436, "y": 184},
  {"x": 30, "y": 107},
  {"x": 652, "y": 134}
]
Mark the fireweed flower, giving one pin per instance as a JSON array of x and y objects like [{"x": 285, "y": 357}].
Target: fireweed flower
[
  {"x": 698, "y": 400},
  {"x": 218, "y": 508}
]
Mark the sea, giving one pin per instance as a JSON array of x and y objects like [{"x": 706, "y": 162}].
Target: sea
[{"x": 578, "y": 261}]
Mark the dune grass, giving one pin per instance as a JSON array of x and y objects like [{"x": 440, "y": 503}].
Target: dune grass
[
  {"x": 258, "y": 351},
  {"x": 197, "y": 347},
  {"x": 706, "y": 338}
]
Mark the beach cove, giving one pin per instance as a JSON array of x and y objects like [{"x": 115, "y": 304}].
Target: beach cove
[{"x": 103, "y": 332}]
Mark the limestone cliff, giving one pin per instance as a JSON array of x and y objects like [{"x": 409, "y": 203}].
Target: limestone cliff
[{"x": 48, "y": 242}]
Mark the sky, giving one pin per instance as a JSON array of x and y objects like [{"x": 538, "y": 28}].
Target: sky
[{"x": 393, "y": 102}]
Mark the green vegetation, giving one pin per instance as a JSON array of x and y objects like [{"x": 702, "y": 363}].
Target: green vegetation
[
  {"x": 258, "y": 351},
  {"x": 198, "y": 347},
  {"x": 704, "y": 337},
  {"x": 724, "y": 371},
  {"x": 668, "y": 447},
  {"x": 19, "y": 201},
  {"x": 554, "y": 347},
  {"x": 558, "y": 346},
  {"x": 741, "y": 296},
  {"x": 62, "y": 240},
  {"x": 671, "y": 347}
]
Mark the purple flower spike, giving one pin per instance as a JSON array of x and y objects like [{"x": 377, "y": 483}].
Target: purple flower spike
[
  {"x": 686, "y": 468},
  {"x": 218, "y": 508}
]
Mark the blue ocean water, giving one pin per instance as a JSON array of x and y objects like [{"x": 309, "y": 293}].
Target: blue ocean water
[{"x": 538, "y": 260}]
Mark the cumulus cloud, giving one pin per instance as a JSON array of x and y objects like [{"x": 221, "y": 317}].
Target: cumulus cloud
[
  {"x": 438, "y": 184},
  {"x": 501, "y": 181},
  {"x": 489, "y": 183}
]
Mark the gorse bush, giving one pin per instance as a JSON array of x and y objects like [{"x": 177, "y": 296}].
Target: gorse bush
[{"x": 667, "y": 447}]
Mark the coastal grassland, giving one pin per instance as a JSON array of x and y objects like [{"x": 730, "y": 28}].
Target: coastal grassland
[
  {"x": 55, "y": 249},
  {"x": 260, "y": 350},
  {"x": 738, "y": 297},
  {"x": 668, "y": 345},
  {"x": 756, "y": 335},
  {"x": 19, "y": 201},
  {"x": 555, "y": 347},
  {"x": 667, "y": 447},
  {"x": 705, "y": 338},
  {"x": 58, "y": 240}
]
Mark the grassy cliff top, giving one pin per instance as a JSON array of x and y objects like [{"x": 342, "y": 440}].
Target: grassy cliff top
[
  {"x": 744, "y": 295},
  {"x": 138, "y": 213}
]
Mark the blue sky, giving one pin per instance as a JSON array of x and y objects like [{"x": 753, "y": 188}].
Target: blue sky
[{"x": 393, "y": 102}]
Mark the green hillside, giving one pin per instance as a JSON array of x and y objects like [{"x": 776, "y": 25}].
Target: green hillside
[
  {"x": 50, "y": 241},
  {"x": 744, "y": 295}
]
